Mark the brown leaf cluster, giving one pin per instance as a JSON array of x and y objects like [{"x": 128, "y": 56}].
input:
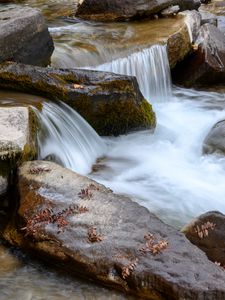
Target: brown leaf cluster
[
  {"x": 78, "y": 86},
  {"x": 93, "y": 236},
  {"x": 38, "y": 170},
  {"x": 203, "y": 230},
  {"x": 127, "y": 270},
  {"x": 152, "y": 245},
  {"x": 85, "y": 194},
  {"x": 47, "y": 216}
]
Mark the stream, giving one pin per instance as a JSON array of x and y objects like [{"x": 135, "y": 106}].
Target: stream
[{"x": 164, "y": 171}]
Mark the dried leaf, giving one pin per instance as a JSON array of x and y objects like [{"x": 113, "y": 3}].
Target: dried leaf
[{"x": 78, "y": 86}]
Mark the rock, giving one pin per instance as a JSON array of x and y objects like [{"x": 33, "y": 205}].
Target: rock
[
  {"x": 80, "y": 225},
  {"x": 215, "y": 140},
  {"x": 205, "y": 1},
  {"x": 3, "y": 192},
  {"x": 24, "y": 36},
  {"x": 208, "y": 18},
  {"x": 208, "y": 233},
  {"x": 17, "y": 141},
  {"x": 170, "y": 11},
  {"x": 206, "y": 65},
  {"x": 117, "y": 10},
  {"x": 179, "y": 44},
  {"x": 112, "y": 104}
]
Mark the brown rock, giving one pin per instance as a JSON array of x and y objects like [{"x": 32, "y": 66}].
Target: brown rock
[
  {"x": 207, "y": 232},
  {"x": 112, "y": 104},
  {"x": 83, "y": 227}
]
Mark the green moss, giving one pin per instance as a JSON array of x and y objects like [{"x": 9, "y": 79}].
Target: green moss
[{"x": 116, "y": 117}]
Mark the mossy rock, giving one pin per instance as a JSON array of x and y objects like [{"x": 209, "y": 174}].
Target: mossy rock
[{"x": 111, "y": 103}]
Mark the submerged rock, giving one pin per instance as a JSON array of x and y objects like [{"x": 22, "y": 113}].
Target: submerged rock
[
  {"x": 112, "y": 104},
  {"x": 117, "y": 10},
  {"x": 208, "y": 233},
  {"x": 24, "y": 36},
  {"x": 215, "y": 140},
  {"x": 17, "y": 141},
  {"x": 85, "y": 228},
  {"x": 206, "y": 65}
]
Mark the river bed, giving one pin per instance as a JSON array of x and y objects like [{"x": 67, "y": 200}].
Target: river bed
[{"x": 164, "y": 171}]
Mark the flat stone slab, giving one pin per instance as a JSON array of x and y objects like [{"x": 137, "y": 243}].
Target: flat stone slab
[
  {"x": 85, "y": 228},
  {"x": 24, "y": 36}
]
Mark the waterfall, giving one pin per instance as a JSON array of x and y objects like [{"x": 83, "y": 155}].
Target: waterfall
[
  {"x": 67, "y": 138},
  {"x": 151, "y": 68}
]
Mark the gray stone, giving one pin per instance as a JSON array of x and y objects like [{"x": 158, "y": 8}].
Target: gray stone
[
  {"x": 116, "y": 10},
  {"x": 208, "y": 18},
  {"x": 17, "y": 140},
  {"x": 206, "y": 65},
  {"x": 87, "y": 229},
  {"x": 215, "y": 140},
  {"x": 170, "y": 11},
  {"x": 24, "y": 36}
]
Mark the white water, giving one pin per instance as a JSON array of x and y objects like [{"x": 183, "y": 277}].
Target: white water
[
  {"x": 68, "y": 138},
  {"x": 151, "y": 68},
  {"x": 166, "y": 172}
]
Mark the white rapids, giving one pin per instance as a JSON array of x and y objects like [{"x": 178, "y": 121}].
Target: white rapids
[{"x": 165, "y": 171}]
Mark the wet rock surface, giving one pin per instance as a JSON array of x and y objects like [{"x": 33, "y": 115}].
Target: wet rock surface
[
  {"x": 112, "y": 104},
  {"x": 24, "y": 36},
  {"x": 207, "y": 232},
  {"x": 17, "y": 141},
  {"x": 117, "y": 10},
  {"x": 179, "y": 44},
  {"x": 215, "y": 140},
  {"x": 88, "y": 230},
  {"x": 206, "y": 65}
]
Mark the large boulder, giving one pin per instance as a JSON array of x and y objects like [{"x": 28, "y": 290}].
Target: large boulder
[
  {"x": 112, "y": 104},
  {"x": 215, "y": 140},
  {"x": 179, "y": 44},
  {"x": 24, "y": 36},
  {"x": 206, "y": 65},
  {"x": 17, "y": 141},
  {"x": 89, "y": 231},
  {"x": 208, "y": 233},
  {"x": 117, "y": 10}
]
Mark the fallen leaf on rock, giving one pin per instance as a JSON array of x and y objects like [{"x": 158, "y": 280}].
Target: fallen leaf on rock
[{"x": 78, "y": 86}]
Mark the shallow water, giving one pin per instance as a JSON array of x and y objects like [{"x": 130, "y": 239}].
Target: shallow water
[{"x": 24, "y": 279}]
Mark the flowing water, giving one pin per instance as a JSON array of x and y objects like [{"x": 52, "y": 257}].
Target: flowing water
[
  {"x": 164, "y": 171},
  {"x": 67, "y": 138}
]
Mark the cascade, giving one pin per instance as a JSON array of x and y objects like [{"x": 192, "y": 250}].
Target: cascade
[
  {"x": 151, "y": 68},
  {"x": 67, "y": 138}
]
